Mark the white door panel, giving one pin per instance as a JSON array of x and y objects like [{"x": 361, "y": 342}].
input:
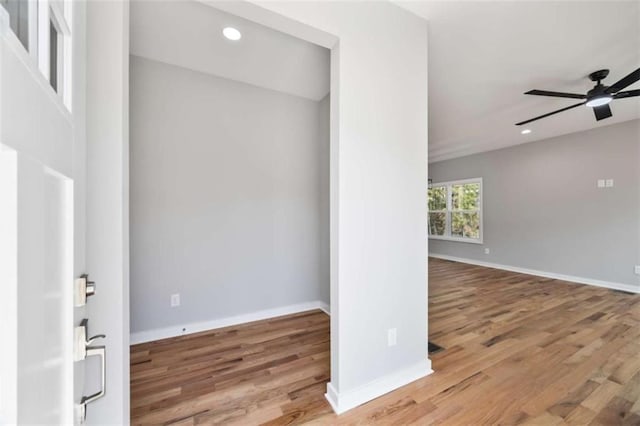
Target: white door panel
[
  {"x": 40, "y": 205},
  {"x": 45, "y": 298},
  {"x": 9, "y": 280},
  {"x": 43, "y": 171},
  {"x": 36, "y": 243}
]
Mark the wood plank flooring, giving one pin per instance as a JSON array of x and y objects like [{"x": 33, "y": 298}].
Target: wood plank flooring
[{"x": 518, "y": 350}]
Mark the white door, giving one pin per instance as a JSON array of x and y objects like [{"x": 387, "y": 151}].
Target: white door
[{"x": 38, "y": 134}]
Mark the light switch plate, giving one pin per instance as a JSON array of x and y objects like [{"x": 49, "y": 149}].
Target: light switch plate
[
  {"x": 392, "y": 337},
  {"x": 175, "y": 300},
  {"x": 601, "y": 183},
  {"x": 636, "y": 269},
  {"x": 608, "y": 183}
]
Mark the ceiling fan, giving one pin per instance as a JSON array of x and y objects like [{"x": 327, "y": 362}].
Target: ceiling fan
[{"x": 597, "y": 98}]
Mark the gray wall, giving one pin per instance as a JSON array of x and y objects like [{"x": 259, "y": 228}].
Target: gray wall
[
  {"x": 543, "y": 211},
  {"x": 229, "y": 197}
]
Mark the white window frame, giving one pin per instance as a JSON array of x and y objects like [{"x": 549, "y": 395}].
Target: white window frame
[
  {"x": 32, "y": 19},
  {"x": 447, "y": 236},
  {"x": 35, "y": 55},
  {"x": 59, "y": 13}
]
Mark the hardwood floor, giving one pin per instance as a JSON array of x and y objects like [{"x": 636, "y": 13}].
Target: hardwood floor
[{"x": 518, "y": 350}]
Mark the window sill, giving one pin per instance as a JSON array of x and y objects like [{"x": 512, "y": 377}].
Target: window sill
[{"x": 455, "y": 239}]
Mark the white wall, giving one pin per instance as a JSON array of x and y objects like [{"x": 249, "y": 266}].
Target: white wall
[
  {"x": 227, "y": 204},
  {"x": 379, "y": 181},
  {"x": 544, "y": 212}
]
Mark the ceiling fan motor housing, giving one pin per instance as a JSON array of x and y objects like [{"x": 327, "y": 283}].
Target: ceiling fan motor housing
[
  {"x": 599, "y": 89},
  {"x": 596, "y": 92}
]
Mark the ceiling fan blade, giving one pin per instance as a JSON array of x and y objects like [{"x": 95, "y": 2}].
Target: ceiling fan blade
[
  {"x": 624, "y": 82},
  {"x": 550, "y": 113},
  {"x": 602, "y": 112},
  {"x": 627, "y": 94},
  {"x": 555, "y": 94}
]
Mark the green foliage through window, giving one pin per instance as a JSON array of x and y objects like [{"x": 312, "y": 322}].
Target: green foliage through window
[
  {"x": 465, "y": 197},
  {"x": 438, "y": 199},
  {"x": 437, "y": 223}
]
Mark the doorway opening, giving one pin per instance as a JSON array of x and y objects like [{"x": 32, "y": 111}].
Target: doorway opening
[{"x": 229, "y": 215}]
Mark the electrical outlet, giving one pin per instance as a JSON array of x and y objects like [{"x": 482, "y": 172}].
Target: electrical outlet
[
  {"x": 636, "y": 269},
  {"x": 392, "y": 337},
  {"x": 601, "y": 183},
  {"x": 175, "y": 300},
  {"x": 487, "y": 250},
  {"x": 608, "y": 183}
]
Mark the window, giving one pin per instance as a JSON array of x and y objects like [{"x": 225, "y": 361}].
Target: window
[
  {"x": 43, "y": 27},
  {"x": 55, "y": 56},
  {"x": 59, "y": 44},
  {"x": 18, "y": 19},
  {"x": 455, "y": 211}
]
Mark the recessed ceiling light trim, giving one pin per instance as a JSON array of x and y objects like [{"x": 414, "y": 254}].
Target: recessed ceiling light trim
[{"x": 232, "y": 34}]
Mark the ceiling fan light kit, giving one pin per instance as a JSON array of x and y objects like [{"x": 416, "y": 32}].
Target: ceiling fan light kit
[
  {"x": 597, "y": 98},
  {"x": 599, "y": 101}
]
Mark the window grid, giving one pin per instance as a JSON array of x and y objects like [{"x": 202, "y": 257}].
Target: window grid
[{"x": 450, "y": 211}]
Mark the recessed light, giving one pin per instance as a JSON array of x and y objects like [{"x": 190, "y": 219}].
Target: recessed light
[
  {"x": 526, "y": 131},
  {"x": 232, "y": 34}
]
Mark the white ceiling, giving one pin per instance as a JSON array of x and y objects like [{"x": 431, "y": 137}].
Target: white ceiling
[
  {"x": 189, "y": 34},
  {"x": 484, "y": 55}
]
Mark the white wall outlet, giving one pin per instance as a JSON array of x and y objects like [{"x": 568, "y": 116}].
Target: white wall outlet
[
  {"x": 601, "y": 183},
  {"x": 636, "y": 269},
  {"x": 487, "y": 250},
  {"x": 608, "y": 183},
  {"x": 175, "y": 300},
  {"x": 392, "y": 337}
]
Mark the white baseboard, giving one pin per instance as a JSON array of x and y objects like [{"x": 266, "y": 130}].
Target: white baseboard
[
  {"x": 562, "y": 277},
  {"x": 196, "y": 327},
  {"x": 324, "y": 308},
  {"x": 346, "y": 400}
]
